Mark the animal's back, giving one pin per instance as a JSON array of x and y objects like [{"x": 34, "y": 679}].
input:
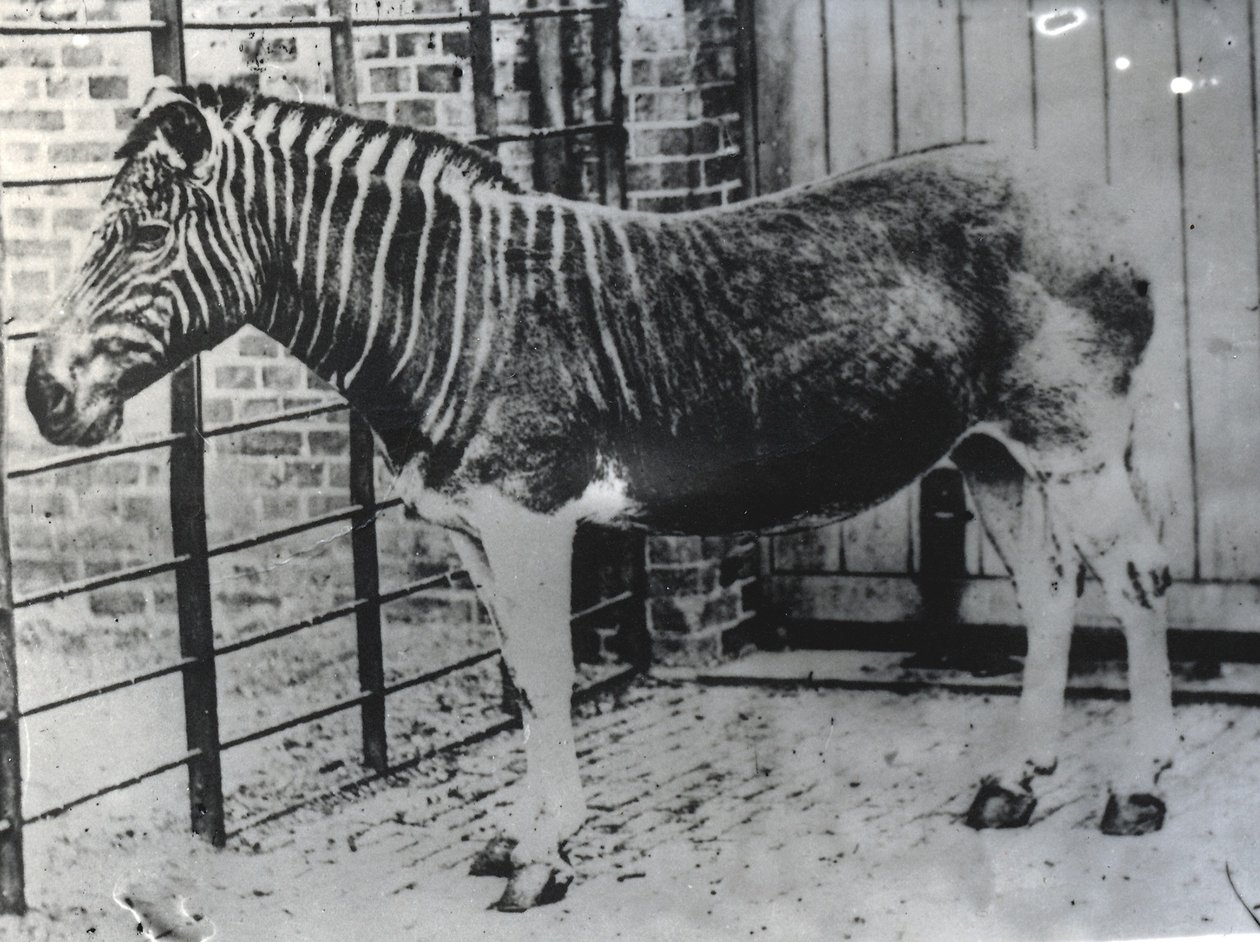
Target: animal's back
[{"x": 813, "y": 352}]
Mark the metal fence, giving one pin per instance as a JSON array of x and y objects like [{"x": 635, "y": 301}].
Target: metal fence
[{"x": 189, "y": 562}]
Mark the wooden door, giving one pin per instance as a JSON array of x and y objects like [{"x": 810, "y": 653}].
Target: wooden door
[{"x": 1156, "y": 99}]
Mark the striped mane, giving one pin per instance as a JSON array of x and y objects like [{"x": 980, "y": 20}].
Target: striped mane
[{"x": 237, "y": 108}]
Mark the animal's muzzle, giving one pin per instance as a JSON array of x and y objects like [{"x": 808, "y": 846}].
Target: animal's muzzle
[{"x": 50, "y": 401}]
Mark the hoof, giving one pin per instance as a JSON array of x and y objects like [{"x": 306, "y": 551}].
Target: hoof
[
  {"x": 495, "y": 859},
  {"x": 1133, "y": 815},
  {"x": 997, "y": 806},
  {"x": 535, "y": 884}
]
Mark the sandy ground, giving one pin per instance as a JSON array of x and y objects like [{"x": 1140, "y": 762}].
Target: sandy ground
[{"x": 716, "y": 813}]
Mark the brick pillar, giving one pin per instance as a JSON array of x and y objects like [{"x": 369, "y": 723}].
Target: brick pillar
[{"x": 701, "y": 598}]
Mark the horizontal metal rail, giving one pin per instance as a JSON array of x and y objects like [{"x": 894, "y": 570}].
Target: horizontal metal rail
[
  {"x": 432, "y": 675},
  {"x": 313, "y": 621},
  {"x": 96, "y": 454},
  {"x": 23, "y": 333},
  {"x": 154, "y": 674},
  {"x": 419, "y": 585},
  {"x": 59, "y": 810},
  {"x": 12, "y": 28},
  {"x": 343, "y": 704},
  {"x": 313, "y": 523},
  {"x": 602, "y": 606},
  {"x": 292, "y": 22},
  {"x": 278, "y": 418},
  {"x": 55, "y": 181},
  {"x": 79, "y": 586},
  {"x": 543, "y": 134}
]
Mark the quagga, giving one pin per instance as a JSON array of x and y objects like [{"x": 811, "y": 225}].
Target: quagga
[{"x": 528, "y": 362}]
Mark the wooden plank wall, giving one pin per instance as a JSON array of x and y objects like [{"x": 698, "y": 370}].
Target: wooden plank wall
[{"x": 846, "y": 82}]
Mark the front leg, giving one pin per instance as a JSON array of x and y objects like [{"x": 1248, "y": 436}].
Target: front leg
[{"x": 521, "y": 566}]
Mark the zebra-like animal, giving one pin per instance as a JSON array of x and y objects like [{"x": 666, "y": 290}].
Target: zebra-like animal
[{"x": 528, "y": 363}]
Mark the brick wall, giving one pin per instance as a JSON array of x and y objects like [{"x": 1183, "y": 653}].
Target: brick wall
[{"x": 66, "y": 103}]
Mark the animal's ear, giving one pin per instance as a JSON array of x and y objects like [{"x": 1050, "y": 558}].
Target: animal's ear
[{"x": 171, "y": 124}]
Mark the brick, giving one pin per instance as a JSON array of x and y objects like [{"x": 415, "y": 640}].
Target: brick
[
  {"x": 672, "y": 550},
  {"x": 717, "y": 100},
  {"x": 258, "y": 408},
  {"x": 281, "y": 377},
  {"x": 30, "y": 282},
  {"x": 668, "y": 105},
  {"x": 116, "y": 601},
  {"x": 303, "y": 473},
  {"x": 319, "y": 504},
  {"x": 683, "y": 580},
  {"x": 107, "y": 86},
  {"x": 283, "y": 49},
  {"x": 669, "y": 142},
  {"x": 416, "y": 113},
  {"x": 371, "y": 45},
  {"x": 37, "y": 248},
  {"x": 411, "y": 45},
  {"x": 29, "y": 55},
  {"x": 63, "y": 86},
  {"x": 280, "y": 507},
  {"x": 81, "y": 219},
  {"x": 125, "y": 118},
  {"x": 81, "y": 152},
  {"x": 720, "y": 609},
  {"x": 81, "y": 57},
  {"x": 677, "y": 616},
  {"x": 14, "y": 120},
  {"x": 329, "y": 443},
  {"x": 714, "y": 64},
  {"x": 456, "y": 44},
  {"x": 235, "y": 377},
  {"x": 680, "y": 174},
  {"x": 257, "y": 345},
  {"x": 674, "y": 70},
  {"x": 387, "y": 79},
  {"x": 438, "y": 78},
  {"x": 217, "y": 410},
  {"x": 117, "y": 473},
  {"x": 338, "y": 473},
  {"x": 643, "y": 176},
  {"x": 723, "y": 169},
  {"x": 270, "y": 442},
  {"x": 662, "y": 204},
  {"x": 21, "y": 152},
  {"x": 643, "y": 73}
]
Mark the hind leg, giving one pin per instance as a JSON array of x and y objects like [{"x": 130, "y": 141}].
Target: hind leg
[
  {"x": 1015, "y": 513},
  {"x": 1118, "y": 543}
]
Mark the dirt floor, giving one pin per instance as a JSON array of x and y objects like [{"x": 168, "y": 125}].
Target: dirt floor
[{"x": 716, "y": 813}]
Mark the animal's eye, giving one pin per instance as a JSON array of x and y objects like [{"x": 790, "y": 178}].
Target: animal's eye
[{"x": 151, "y": 234}]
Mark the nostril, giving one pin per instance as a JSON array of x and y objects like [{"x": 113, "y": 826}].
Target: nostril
[{"x": 45, "y": 397}]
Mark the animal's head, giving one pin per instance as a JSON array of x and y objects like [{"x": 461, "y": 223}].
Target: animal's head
[{"x": 170, "y": 271}]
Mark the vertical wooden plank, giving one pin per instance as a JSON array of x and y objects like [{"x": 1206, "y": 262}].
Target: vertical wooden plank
[
  {"x": 791, "y": 125},
  {"x": 609, "y": 105},
  {"x": 997, "y": 64},
  {"x": 12, "y": 867},
  {"x": 860, "y": 83},
  {"x": 1070, "y": 110},
  {"x": 929, "y": 73},
  {"x": 1218, "y": 141},
  {"x": 1142, "y": 117}
]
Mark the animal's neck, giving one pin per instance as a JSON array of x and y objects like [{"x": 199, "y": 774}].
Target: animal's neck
[{"x": 386, "y": 276}]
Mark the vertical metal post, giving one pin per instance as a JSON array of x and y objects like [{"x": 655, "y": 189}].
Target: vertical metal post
[
  {"x": 188, "y": 531},
  {"x": 746, "y": 76},
  {"x": 481, "y": 52},
  {"x": 12, "y": 870},
  {"x": 367, "y": 584},
  {"x": 610, "y": 106}
]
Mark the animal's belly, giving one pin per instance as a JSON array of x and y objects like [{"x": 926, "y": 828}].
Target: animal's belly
[{"x": 684, "y": 490}]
